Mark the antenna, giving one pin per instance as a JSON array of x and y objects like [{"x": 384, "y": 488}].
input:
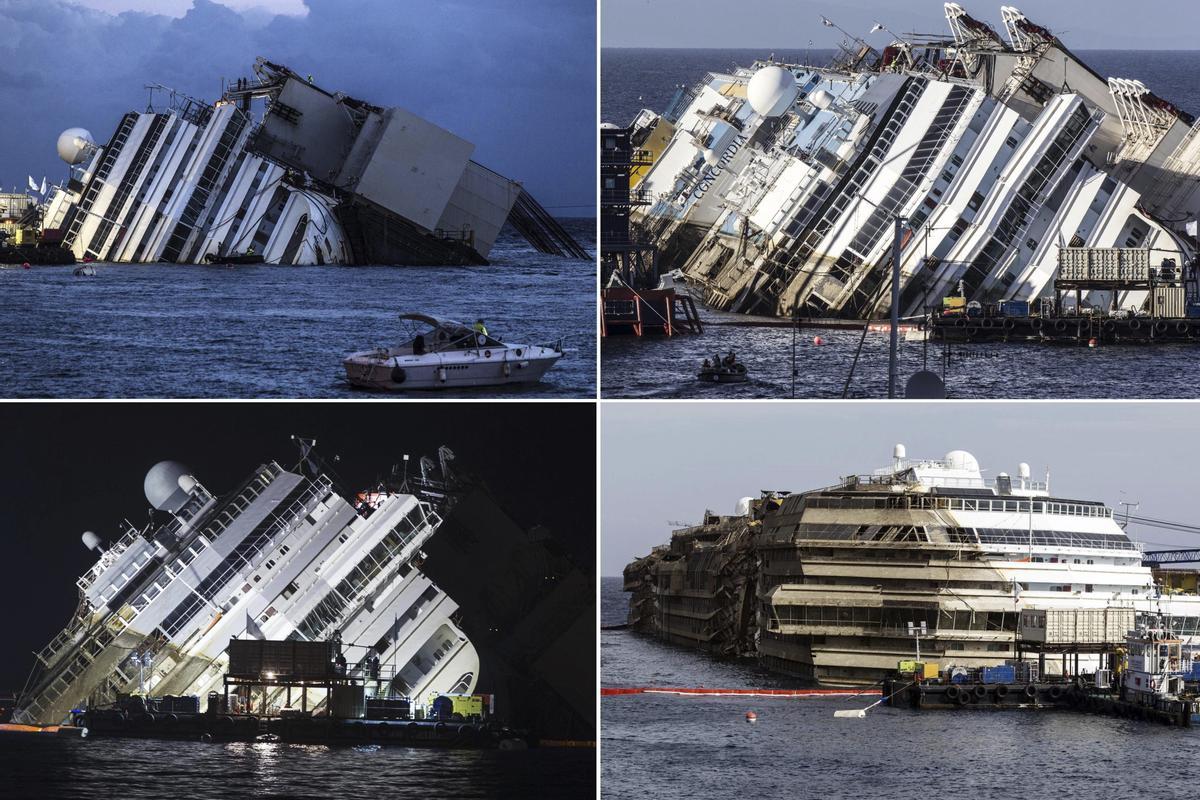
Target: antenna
[{"x": 1129, "y": 504}]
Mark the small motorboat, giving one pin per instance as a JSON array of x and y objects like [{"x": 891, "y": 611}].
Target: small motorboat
[
  {"x": 727, "y": 370},
  {"x": 440, "y": 354},
  {"x": 234, "y": 258}
]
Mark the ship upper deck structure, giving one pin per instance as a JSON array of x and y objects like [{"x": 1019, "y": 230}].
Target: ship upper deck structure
[
  {"x": 283, "y": 168},
  {"x": 775, "y": 188},
  {"x": 283, "y": 556}
]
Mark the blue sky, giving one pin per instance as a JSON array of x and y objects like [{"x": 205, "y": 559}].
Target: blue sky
[
  {"x": 516, "y": 77},
  {"x": 1082, "y": 24},
  {"x": 670, "y": 461}
]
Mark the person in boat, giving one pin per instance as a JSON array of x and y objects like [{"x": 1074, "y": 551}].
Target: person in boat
[
  {"x": 707, "y": 365},
  {"x": 480, "y": 327},
  {"x": 250, "y": 250},
  {"x": 419, "y": 345},
  {"x": 730, "y": 359}
]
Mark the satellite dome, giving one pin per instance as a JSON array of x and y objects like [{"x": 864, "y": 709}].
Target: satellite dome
[
  {"x": 821, "y": 99},
  {"x": 771, "y": 91},
  {"x": 91, "y": 541},
  {"x": 164, "y": 485},
  {"x": 961, "y": 459},
  {"x": 74, "y": 144}
]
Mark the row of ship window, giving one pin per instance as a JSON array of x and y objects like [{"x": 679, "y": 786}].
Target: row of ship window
[
  {"x": 1016, "y": 536},
  {"x": 332, "y": 607},
  {"x": 895, "y": 618},
  {"x": 909, "y": 501},
  {"x": 296, "y": 502}
]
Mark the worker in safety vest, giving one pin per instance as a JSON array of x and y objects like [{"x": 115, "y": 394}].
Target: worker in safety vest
[{"x": 480, "y": 327}]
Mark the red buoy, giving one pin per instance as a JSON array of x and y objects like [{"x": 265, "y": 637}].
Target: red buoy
[
  {"x": 1092, "y": 343},
  {"x": 817, "y": 340},
  {"x": 751, "y": 716},
  {"x": 25, "y": 265}
]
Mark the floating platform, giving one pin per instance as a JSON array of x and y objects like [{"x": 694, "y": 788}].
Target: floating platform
[
  {"x": 299, "y": 729},
  {"x": 1007, "y": 696},
  {"x": 1068, "y": 330},
  {"x": 43, "y": 731},
  {"x": 642, "y": 312},
  {"x": 37, "y": 256}
]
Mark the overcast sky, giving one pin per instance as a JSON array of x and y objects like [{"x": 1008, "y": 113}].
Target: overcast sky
[
  {"x": 1082, "y": 24},
  {"x": 670, "y": 461},
  {"x": 515, "y": 77}
]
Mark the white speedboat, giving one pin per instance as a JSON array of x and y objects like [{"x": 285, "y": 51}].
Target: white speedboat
[{"x": 443, "y": 354}]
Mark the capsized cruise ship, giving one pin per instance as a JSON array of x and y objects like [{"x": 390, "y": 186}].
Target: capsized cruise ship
[
  {"x": 283, "y": 556},
  {"x": 776, "y": 188},
  {"x": 283, "y": 169},
  {"x": 825, "y": 584}
]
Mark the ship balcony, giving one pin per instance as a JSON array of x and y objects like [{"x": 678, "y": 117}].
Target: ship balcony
[
  {"x": 632, "y": 158},
  {"x": 633, "y": 197}
]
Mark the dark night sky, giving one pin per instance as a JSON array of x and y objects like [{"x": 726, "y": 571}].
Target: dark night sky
[{"x": 75, "y": 467}]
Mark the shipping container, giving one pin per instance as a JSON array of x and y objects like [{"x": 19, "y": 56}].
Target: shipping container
[
  {"x": 1076, "y": 626},
  {"x": 1014, "y": 308},
  {"x": 1002, "y": 674},
  {"x": 259, "y": 658},
  {"x": 1169, "y": 302}
]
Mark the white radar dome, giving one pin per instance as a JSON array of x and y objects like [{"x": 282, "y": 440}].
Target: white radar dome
[
  {"x": 164, "y": 485},
  {"x": 1023, "y": 470},
  {"x": 90, "y": 540},
  {"x": 710, "y": 157},
  {"x": 898, "y": 452},
  {"x": 961, "y": 459},
  {"x": 771, "y": 91},
  {"x": 73, "y": 145},
  {"x": 821, "y": 99}
]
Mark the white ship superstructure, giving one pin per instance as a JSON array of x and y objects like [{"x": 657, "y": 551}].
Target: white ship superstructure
[
  {"x": 845, "y": 570},
  {"x": 308, "y": 176},
  {"x": 284, "y": 556},
  {"x": 776, "y": 188}
]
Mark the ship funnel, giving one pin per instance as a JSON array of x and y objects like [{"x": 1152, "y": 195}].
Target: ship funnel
[{"x": 91, "y": 541}]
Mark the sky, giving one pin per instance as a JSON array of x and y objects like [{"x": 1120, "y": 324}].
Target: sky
[
  {"x": 668, "y": 462},
  {"x": 1082, "y": 24},
  {"x": 69, "y": 468},
  {"x": 515, "y": 77}
]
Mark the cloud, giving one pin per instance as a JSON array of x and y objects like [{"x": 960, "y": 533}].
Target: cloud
[{"x": 516, "y": 77}]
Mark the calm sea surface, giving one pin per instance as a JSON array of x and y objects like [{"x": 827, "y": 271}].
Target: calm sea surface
[
  {"x": 664, "y": 747},
  {"x": 635, "y": 78},
  {"x": 135, "y": 769},
  {"x": 165, "y": 330}
]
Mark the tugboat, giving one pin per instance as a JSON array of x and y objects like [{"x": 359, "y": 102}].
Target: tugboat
[
  {"x": 444, "y": 354},
  {"x": 723, "y": 370}
]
